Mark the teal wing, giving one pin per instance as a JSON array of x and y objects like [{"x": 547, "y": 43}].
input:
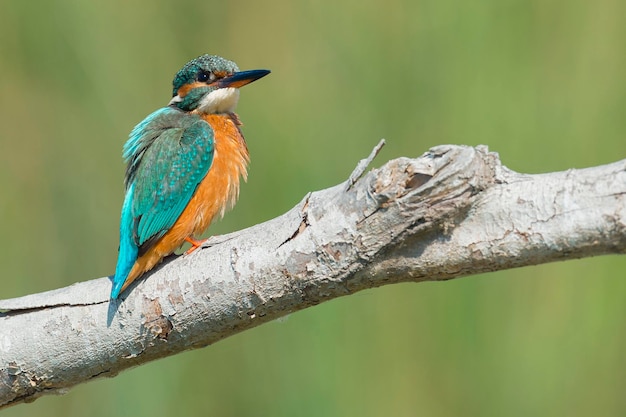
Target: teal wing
[{"x": 168, "y": 156}]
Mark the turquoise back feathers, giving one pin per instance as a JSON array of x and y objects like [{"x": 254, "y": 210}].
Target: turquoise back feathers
[{"x": 168, "y": 154}]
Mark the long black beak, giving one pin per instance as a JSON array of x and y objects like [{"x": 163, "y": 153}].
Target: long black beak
[{"x": 241, "y": 78}]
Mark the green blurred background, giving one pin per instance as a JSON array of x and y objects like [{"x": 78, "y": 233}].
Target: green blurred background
[{"x": 541, "y": 82}]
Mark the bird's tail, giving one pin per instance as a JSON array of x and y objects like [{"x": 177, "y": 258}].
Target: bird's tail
[
  {"x": 128, "y": 249},
  {"x": 125, "y": 261}
]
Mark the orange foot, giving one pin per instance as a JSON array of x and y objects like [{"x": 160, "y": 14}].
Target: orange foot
[{"x": 195, "y": 244}]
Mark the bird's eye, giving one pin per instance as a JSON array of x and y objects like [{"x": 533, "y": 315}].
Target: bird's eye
[{"x": 204, "y": 76}]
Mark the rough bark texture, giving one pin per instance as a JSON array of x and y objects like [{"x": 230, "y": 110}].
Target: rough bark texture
[{"x": 454, "y": 211}]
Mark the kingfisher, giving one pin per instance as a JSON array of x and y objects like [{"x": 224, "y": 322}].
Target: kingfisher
[{"x": 184, "y": 164}]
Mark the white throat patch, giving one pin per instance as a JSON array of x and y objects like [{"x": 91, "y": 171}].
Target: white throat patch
[{"x": 222, "y": 100}]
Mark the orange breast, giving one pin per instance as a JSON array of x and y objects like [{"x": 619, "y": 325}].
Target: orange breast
[{"x": 218, "y": 191}]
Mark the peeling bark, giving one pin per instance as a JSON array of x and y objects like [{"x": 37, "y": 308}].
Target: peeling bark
[{"x": 453, "y": 212}]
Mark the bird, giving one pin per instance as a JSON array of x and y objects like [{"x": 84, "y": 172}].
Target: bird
[{"x": 183, "y": 166}]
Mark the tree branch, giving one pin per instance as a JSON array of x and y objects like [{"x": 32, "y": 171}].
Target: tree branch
[{"x": 454, "y": 211}]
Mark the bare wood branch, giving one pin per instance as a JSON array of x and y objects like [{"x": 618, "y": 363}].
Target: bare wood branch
[{"x": 455, "y": 211}]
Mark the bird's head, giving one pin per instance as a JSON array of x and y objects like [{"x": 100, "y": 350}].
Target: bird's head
[{"x": 210, "y": 84}]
